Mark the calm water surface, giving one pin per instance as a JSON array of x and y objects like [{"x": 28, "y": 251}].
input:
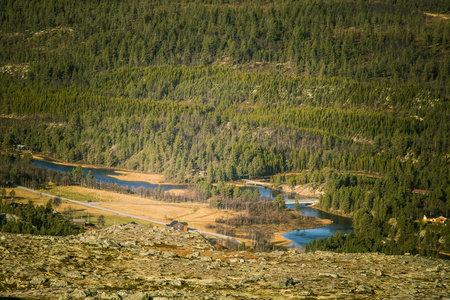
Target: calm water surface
[
  {"x": 105, "y": 175},
  {"x": 299, "y": 237},
  {"x": 302, "y": 237}
]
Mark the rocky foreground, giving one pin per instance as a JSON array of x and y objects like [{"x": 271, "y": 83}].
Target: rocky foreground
[{"x": 136, "y": 262}]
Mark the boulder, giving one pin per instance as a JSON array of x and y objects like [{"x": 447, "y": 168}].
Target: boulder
[
  {"x": 332, "y": 275},
  {"x": 78, "y": 294},
  {"x": 362, "y": 289},
  {"x": 177, "y": 282},
  {"x": 196, "y": 254},
  {"x": 169, "y": 254},
  {"x": 283, "y": 283},
  {"x": 58, "y": 283},
  {"x": 9, "y": 217},
  {"x": 206, "y": 258},
  {"x": 37, "y": 280},
  {"x": 73, "y": 274}
]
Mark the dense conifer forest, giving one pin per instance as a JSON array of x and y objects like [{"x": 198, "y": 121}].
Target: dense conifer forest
[
  {"x": 352, "y": 96},
  {"x": 38, "y": 220}
]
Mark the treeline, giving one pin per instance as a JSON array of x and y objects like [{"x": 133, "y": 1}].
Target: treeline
[
  {"x": 394, "y": 193},
  {"x": 30, "y": 219},
  {"x": 67, "y": 42},
  {"x": 386, "y": 210},
  {"x": 405, "y": 236},
  {"x": 17, "y": 169},
  {"x": 229, "y": 142}
]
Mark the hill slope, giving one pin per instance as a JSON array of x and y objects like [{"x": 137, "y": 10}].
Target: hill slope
[{"x": 136, "y": 262}]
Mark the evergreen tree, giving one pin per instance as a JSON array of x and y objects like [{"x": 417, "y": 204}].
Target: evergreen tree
[
  {"x": 279, "y": 202},
  {"x": 78, "y": 174},
  {"x": 296, "y": 205},
  {"x": 101, "y": 220},
  {"x": 90, "y": 176}
]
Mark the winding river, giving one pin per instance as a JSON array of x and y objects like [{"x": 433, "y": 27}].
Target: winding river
[
  {"x": 104, "y": 175},
  {"x": 299, "y": 238}
]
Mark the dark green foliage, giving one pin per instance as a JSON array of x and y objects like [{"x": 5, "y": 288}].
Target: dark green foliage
[
  {"x": 384, "y": 214},
  {"x": 296, "y": 205},
  {"x": 78, "y": 174},
  {"x": 227, "y": 142},
  {"x": 67, "y": 42},
  {"x": 101, "y": 220},
  {"x": 278, "y": 202},
  {"x": 399, "y": 237},
  {"x": 56, "y": 202},
  {"x": 38, "y": 220}
]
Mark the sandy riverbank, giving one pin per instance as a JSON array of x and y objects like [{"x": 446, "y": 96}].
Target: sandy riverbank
[{"x": 123, "y": 174}]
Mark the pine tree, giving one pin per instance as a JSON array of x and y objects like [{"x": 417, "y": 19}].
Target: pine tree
[
  {"x": 101, "y": 220},
  {"x": 296, "y": 205},
  {"x": 279, "y": 202},
  {"x": 90, "y": 176},
  {"x": 78, "y": 174}
]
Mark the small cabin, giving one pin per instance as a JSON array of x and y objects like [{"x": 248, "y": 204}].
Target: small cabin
[
  {"x": 437, "y": 220},
  {"x": 181, "y": 226}
]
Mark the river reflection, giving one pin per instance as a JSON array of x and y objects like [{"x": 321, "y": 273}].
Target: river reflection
[
  {"x": 299, "y": 237},
  {"x": 302, "y": 237},
  {"x": 105, "y": 175}
]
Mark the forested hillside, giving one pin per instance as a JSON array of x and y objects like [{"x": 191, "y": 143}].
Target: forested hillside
[{"x": 320, "y": 89}]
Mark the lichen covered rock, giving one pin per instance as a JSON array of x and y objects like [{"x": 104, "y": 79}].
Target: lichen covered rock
[{"x": 120, "y": 263}]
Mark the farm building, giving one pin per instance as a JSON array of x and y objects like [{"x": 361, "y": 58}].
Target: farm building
[
  {"x": 181, "y": 226},
  {"x": 438, "y": 220}
]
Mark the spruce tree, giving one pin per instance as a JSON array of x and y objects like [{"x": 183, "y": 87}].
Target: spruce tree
[{"x": 296, "y": 205}]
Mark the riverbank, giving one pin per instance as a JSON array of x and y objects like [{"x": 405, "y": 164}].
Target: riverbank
[
  {"x": 340, "y": 214},
  {"x": 123, "y": 174},
  {"x": 279, "y": 240},
  {"x": 197, "y": 215},
  {"x": 301, "y": 190},
  {"x": 167, "y": 213}
]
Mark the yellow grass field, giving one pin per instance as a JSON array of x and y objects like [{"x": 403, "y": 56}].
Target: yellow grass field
[
  {"x": 197, "y": 216},
  {"x": 22, "y": 196}
]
